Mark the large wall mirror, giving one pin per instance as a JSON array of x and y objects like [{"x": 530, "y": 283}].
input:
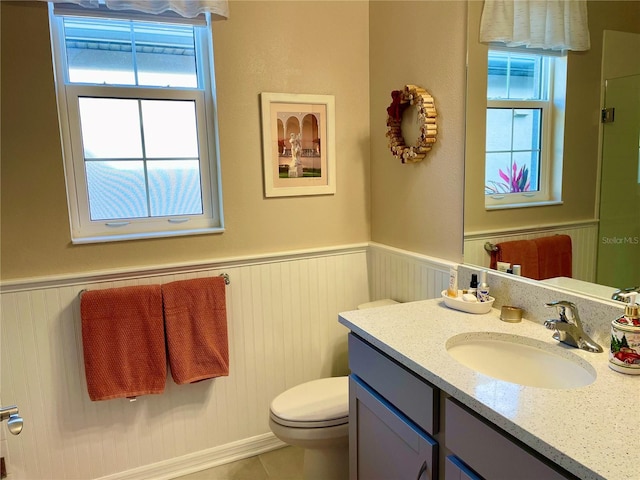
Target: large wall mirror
[{"x": 600, "y": 199}]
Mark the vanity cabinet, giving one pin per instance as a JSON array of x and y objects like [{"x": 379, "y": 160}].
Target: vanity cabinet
[
  {"x": 388, "y": 444},
  {"x": 392, "y": 413},
  {"x": 394, "y": 418},
  {"x": 489, "y": 452},
  {"x": 454, "y": 469}
]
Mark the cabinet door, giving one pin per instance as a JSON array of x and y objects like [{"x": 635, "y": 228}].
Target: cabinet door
[
  {"x": 383, "y": 443},
  {"x": 454, "y": 469}
]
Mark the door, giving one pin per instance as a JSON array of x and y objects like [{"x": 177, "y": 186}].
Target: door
[{"x": 619, "y": 231}]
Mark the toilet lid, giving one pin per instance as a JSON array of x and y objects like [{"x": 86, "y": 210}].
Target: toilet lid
[{"x": 315, "y": 401}]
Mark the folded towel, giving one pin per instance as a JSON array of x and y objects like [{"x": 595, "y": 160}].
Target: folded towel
[
  {"x": 518, "y": 252},
  {"x": 196, "y": 324},
  {"x": 123, "y": 342},
  {"x": 554, "y": 256},
  {"x": 540, "y": 258}
]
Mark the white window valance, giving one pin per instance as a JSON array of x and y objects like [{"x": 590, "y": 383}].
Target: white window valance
[
  {"x": 548, "y": 25},
  {"x": 218, "y": 9}
]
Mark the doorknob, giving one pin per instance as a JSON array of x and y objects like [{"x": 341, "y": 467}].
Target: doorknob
[{"x": 14, "y": 421}]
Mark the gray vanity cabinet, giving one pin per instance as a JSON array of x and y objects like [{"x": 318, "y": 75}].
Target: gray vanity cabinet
[
  {"x": 392, "y": 413},
  {"x": 454, "y": 469},
  {"x": 388, "y": 445},
  {"x": 394, "y": 418},
  {"x": 490, "y": 452}
]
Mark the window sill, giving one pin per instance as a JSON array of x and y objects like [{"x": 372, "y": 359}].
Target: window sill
[
  {"x": 145, "y": 235},
  {"x": 507, "y": 206}
]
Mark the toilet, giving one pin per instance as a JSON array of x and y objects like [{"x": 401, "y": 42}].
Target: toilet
[{"x": 315, "y": 416}]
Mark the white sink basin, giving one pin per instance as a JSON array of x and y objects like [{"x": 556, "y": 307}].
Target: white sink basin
[{"x": 520, "y": 360}]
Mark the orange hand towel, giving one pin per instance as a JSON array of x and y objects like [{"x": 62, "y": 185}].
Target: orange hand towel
[
  {"x": 554, "y": 256},
  {"x": 123, "y": 342},
  {"x": 196, "y": 324},
  {"x": 518, "y": 252}
]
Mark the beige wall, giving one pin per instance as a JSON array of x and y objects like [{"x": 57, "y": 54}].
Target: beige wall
[
  {"x": 418, "y": 207},
  {"x": 269, "y": 46},
  {"x": 580, "y": 175}
]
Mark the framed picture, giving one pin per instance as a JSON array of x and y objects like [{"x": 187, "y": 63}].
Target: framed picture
[{"x": 299, "y": 151}]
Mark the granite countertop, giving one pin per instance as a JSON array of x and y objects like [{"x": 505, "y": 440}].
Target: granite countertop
[{"x": 591, "y": 431}]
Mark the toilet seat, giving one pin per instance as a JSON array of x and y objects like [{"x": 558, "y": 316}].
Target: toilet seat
[{"x": 316, "y": 404}]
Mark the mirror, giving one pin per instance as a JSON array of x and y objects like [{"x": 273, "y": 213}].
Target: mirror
[{"x": 615, "y": 36}]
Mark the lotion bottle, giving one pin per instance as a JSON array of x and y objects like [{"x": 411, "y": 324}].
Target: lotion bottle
[
  {"x": 483, "y": 287},
  {"x": 452, "y": 291},
  {"x": 624, "y": 356}
]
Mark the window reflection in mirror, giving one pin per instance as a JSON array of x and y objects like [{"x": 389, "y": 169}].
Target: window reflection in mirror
[{"x": 525, "y": 117}]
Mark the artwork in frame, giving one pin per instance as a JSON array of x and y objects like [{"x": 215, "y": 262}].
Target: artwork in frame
[{"x": 298, "y": 136}]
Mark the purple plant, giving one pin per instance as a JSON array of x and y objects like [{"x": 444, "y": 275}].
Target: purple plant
[{"x": 515, "y": 180}]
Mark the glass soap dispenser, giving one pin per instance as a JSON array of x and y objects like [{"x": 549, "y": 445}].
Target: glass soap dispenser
[{"x": 624, "y": 356}]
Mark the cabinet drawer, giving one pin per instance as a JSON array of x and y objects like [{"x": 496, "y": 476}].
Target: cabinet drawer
[
  {"x": 489, "y": 452},
  {"x": 410, "y": 394}
]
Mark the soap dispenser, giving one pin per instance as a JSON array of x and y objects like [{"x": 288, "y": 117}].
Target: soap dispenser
[{"x": 624, "y": 356}]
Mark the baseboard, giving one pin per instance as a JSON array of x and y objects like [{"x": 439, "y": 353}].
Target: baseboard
[{"x": 202, "y": 460}]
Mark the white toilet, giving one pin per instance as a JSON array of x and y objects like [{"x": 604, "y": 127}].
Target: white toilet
[{"x": 315, "y": 416}]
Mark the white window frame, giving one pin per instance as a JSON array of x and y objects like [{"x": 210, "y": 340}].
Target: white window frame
[
  {"x": 85, "y": 230},
  {"x": 551, "y": 137}
]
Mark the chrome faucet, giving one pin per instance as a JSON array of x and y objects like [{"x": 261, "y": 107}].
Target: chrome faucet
[
  {"x": 568, "y": 328},
  {"x": 14, "y": 421},
  {"x": 619, "y": 294}
]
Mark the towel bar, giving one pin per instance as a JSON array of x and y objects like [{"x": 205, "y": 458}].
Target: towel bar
[{"x": 227, "y": 281}]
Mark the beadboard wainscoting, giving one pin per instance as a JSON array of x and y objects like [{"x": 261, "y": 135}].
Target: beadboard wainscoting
[
  {"x": 584, "y": 243},
  {"x": 283, "y": 330},
  {"x": 405, "y": 276}
]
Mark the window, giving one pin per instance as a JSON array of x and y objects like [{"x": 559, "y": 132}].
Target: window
[
  {"x": 525, "y": 123},
  {"x": 137, "y": 119}
]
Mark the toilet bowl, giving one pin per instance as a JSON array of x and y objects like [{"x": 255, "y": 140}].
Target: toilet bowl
[{"x": 315, "y": 416}]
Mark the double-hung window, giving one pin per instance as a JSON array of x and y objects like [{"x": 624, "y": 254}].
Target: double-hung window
[
  {"x": 136, "y": 102},
  {"x": 525, "y": 124}
]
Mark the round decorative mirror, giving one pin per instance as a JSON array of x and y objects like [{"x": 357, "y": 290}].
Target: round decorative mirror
[{"x": 411, "y": 123}]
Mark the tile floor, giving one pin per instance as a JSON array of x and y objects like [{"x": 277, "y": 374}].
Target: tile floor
[{"x": 281, "y": 464}]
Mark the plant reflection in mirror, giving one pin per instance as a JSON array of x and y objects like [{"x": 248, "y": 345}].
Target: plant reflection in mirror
[{"x": 515, "y": 180}]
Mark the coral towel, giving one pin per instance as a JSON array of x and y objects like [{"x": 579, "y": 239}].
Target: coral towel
[
  {"x": 540, "y": 258},
  {"x": 554, "y": 256},
  {"x": 518, "y": 252},
  {"x": 195, "y": 315},
  {"x": 123, "y": 342}
]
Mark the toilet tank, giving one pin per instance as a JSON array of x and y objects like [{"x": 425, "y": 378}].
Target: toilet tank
[{"x": 377, "y": 303}]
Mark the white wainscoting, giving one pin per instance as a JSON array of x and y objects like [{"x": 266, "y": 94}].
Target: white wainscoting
[
  {"x": 283, "y": 330},
  {"x": 584, "y": 242},
  {"x": 405, "y": 276}
]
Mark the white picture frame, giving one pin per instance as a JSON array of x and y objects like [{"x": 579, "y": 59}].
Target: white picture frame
[{"x": 298, "y": 137}]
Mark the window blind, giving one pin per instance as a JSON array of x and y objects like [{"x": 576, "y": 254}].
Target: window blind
[
  {"x": 171, "y": 11},
  {"x": 548, "y": 25}
]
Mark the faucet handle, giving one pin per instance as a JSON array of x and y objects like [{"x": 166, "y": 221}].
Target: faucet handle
[{"x": 562, "y": 306}]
